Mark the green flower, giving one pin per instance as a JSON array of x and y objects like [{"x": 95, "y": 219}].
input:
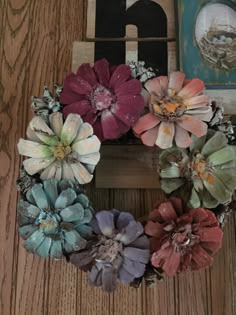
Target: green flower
[
  {"x": 53, "y": 220},
  {"x": 209, "y": 168}
]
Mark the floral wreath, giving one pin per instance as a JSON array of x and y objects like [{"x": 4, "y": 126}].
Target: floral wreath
[{"x": 196, "y": 168}]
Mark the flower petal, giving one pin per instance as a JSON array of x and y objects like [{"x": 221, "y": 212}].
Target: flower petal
[
  {"x": 105, "y": 221},
  {"x": 40, "y": 196},
  {"x": 73, "y": 241},
  {"x": 154, "y": 229},
  {"x": 31, "y": 135},
  {"x": 130, "y": 233},
  {"x": 193, "y": 88},
  {"x": 215, "y": 143},
  {"x": 81, "y": 174},
  {"x": 224, "y": 155},
  {"x": 154, "y": 87},
  {"x": 128, "y": 108},
  {"x": 85, "y": 131},
  {"x": 102, "y": 70},
  {"x": 39, "y": 125},
  {"x": 149, "y": 137},
  {"x": 165, "y": 135},
  {"x": 146, "y": 122},
  {"x": 131, "y": 87},
  {"x": 110, "y": 127},
  {"x": 125, "y": 277},
  {"x": 171, "y": 264},
  {"x": 109, "y": 277},
  {"x": 33, "y": 166},
  {"x": 70, "y": 128},
  {"x": 217, "y": 189},
  {"x": 67, "y": 172},
  {"x": 33, "y": 149},
  {"x": 72, "y": 213},
  {"x": 133, "y": 267},
  {"x": 201, "y": 257},
  {"x": 51, "y": 191},
  {"x": 81, "y": 108},
  {"x": 56, "y": 249},
  {"x": 182, "y": 138},
  {"x": 86, "y": 72},
  {"x": 50, "y": 171},
  {"x": 65, "y": 199},
  {"x": 68, "y": 96},
  {"x": 176, "y": 80},
  {"x": 193, "y": 125},
  {"x": 119, "y": 76},
  {"x": 87, "y": 146},
  {"x": 137, "y": 254},
  {"x": 167, "y": 211},
  {"x": 92, "y": 158},
  {"x": 205, "y": 115},
  {"x": 168, "y": 186},
  {"x": 196, "y": 101},
  {"x": 56, "y": 123},
  {"x": 97, "y": 128},
  {"x": 79, "y": 85}
]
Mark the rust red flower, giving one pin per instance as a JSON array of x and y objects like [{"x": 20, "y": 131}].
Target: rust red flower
[
  {"x": 107, "y": 98},
  {"x": 182, "y": 239}
]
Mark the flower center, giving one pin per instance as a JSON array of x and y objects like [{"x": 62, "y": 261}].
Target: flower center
[
  {"x": 109, "y": 253},
  {"x": 167, "y": 108},
  {"x": 61, "y": 151},
  {"x": 200, "y": 169},
  {"x": 102, "y": 98},
  {"x": 183, "y": 239},
  {"x": 49, "y": 224}
]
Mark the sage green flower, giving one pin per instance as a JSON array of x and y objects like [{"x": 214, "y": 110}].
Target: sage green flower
[
  {"x": 209, "y": 168},
  {"x": 53, "y": 218}
]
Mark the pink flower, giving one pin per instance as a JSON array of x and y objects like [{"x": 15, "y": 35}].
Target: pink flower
[
  {"x": 107, "y": 98},
  {"x": 182, "y": 240},
  {"x": 177, "y": 108}
]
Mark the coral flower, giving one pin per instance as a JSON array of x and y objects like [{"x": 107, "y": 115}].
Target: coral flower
[
  {"x": 182, "y": 239},
  {"x": 177, "y": 108},
  {"x": 109, "y": 100}
]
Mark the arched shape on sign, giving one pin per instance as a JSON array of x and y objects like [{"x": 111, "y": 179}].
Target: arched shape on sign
[{"x": 151, "y": 21}]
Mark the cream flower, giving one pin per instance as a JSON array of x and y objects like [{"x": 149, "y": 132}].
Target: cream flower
[{"x": 60, "y": 150}]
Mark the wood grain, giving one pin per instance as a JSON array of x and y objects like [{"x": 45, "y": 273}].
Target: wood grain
[{"x": 35, "y": 49}]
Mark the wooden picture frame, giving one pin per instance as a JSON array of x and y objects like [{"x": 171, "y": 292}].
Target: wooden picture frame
[{"x": 207, "y": 41}]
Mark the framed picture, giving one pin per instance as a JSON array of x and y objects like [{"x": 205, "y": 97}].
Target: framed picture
[{"x": 207, "y": 41}]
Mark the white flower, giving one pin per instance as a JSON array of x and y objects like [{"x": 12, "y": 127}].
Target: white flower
[{"x": 61, "y": 151}]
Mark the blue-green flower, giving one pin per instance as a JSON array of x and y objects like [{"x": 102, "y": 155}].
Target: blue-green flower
[{"x": 54, "y": 217}]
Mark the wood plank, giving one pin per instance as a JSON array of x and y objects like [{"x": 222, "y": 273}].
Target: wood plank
[
  {"x": 13, "y": 85},
  {"x": 222, "y": 274},
  {"x": 32, "y": 272},
  {"x": 62, "y": 281}
]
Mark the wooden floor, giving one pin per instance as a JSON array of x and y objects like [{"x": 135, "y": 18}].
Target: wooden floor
[{"x": 35, "y": 49}]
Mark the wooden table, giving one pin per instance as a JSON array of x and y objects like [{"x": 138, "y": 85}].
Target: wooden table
[{"x": 35, "y": 49}]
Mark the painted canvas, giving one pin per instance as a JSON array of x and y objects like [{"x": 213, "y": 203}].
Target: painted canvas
[{"x": 207, "y": 41}]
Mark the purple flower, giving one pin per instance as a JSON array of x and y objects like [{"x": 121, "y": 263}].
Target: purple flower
[
  {"x": 119, "y": 252},
  {"x": 107, "y": 98}
]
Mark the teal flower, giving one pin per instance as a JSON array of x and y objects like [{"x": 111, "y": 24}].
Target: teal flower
[
  {"x": 209, "y": 168},
  {"x": 53, "y": 220}
]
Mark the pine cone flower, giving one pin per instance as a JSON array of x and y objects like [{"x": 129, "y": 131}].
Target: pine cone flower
[
  {"x": 209, "y": 168},
  {"x": 48, "y": 104},
  {"x": 108, "y": 99},
  {"x": 182, "y": 240},
  {"x": 61, "y": 151},
  {"x": 120, "y": 252},
  {"x": 53, "y": 220},
  {"x": 177, "y": 108}
]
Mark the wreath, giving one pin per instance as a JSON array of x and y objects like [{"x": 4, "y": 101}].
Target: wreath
[{"x": 196, "y": 167}]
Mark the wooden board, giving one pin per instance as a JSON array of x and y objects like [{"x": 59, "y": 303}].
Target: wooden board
[{"x": 35, "y": 49}]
